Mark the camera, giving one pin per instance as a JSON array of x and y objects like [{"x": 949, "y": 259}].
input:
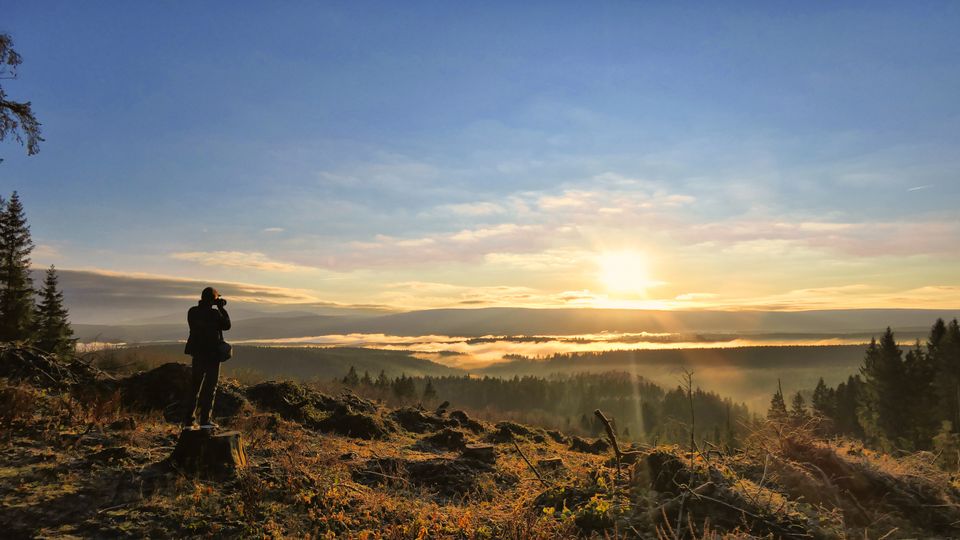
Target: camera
[{"x": 221, "y": 302}]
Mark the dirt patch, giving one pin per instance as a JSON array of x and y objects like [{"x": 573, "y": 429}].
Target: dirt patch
[
  {"x": 507, "y": 431},
  {"x": 450, "y": 478},
  {"x": 345, "y": 421},
  {"x": 447, "y": 439},
  {"x": 464, "y": 421},
  {"x": 417, "y": 421}
]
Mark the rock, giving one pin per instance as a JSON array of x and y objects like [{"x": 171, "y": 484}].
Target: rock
[
  {"x": 349, "y": 456},
  {"x": 123, "y": 424},
  {"x": 442, "y": 409},
  {"x": 209, "y": 454},
  {"x": 416, "y": 421},
  {"x": 483, "y": 453},
  {"x": 448, "y": 438},
  {"x": 466, "y": 422},
  {"x": 558, "y": 437},
  {"x": 598, "y": 446}
]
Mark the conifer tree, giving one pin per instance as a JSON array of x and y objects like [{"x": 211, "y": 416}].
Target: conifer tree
[
  {"x": 824, "y": 400},
  {"x": 778, "y": 407},
  {"x": 798, "y": 409},
  {"x": 366, "y": 380},
  {"x": 16, "y": 285},
  {"x": 52, "y": 327},
  {"x": 881, "y": 410},
  {"x": 919, "y": 400},
  {"x": 351, "y": 379},
  {"x": 429, "y": 393},
  {"x": 383, "y": 382},
  {"x": 943, "y": 347},
  {"x": 846, "y": 420}
]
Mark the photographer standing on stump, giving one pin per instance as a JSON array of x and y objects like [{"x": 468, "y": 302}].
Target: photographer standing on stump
[{"x": 207, "y": 320}]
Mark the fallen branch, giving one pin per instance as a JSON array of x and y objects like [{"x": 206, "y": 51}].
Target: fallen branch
[{"x": 532, "y": 468}]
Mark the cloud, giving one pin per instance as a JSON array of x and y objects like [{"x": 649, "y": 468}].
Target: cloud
[
  {"x": 99, "y": 296},
  {"x": 274, "y": 230},
  {"x": 473, "y": 209},
  {"x": 239, "y": 259}
]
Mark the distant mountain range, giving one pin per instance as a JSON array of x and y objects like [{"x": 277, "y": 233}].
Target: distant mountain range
[{"x": 526, "y": 321}]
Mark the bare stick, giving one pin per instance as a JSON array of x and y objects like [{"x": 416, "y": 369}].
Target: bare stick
[{"x": 532, "y": 468}]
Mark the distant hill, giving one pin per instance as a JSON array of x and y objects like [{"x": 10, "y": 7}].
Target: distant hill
[
  {"x": 303, "y": 363},
  {"x": 526, "y": 321}
]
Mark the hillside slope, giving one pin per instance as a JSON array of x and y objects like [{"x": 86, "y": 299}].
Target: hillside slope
[{"x": 83, "y": 455}]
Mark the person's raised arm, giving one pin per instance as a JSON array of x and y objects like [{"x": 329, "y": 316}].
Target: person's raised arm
[{"x": 224, "y": 317}]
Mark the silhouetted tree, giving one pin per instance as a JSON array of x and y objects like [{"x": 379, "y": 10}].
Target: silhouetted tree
[
  {"x": 798, "y": 409},
  {"x": 53, "y": 333},
  {"x": 383, "y": 382},
  {"x": 366, "y": 380},
  {"x": 943, "y": 347},
  {"x": 16, "y": 117},
  {"x": 919, "y": 399},
  {"x": 882, "y": 411},
  {"x": 351, "y": 379},
  {"x": 429, "y": 393},
  {"x": 778, "y": 407},
  {"x": 846, "y": 420},
  {"x": 16, "y": 286}
]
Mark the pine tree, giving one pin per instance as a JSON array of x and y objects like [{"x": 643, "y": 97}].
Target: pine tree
[
  {"x": 366, "y": 380},
  {"x": 16, "y": 285},
  {"x": 383, "y": 382},
  {"x": 778, "y": 407},
  {"x": 351, "y": 379},
  {"x": 798, "y": 409},
  {"x": 846, "y": 419},
  {"x": 920, "y": 401},
  {"x": 943, "y": 347},
  {"x": 52, "y": 327},
  {"x": 429, "y": 393},
  {"x": 881, "y": 408},
  {"x": 824, "y": 401}
]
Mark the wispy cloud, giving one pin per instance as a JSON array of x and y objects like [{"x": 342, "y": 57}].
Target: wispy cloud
[{"x": 240, "y": 259}]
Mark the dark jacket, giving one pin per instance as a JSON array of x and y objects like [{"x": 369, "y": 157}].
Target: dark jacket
[{"x": 206, "y": 324}]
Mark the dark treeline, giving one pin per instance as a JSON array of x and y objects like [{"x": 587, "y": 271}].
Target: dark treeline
[
  {"x": 899, "y": 401},
  {"x": 641, "y": 409}
]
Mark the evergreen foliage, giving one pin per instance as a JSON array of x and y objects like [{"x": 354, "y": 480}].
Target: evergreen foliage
[
  {"x": 798, "y": 409},
  {"x": 778, "y": 407},
  {"x": 16, "y": 285},
  {"x": 52, "y": 327}
]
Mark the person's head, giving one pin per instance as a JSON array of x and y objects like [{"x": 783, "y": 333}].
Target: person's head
[{"x": 209, "y": 295}]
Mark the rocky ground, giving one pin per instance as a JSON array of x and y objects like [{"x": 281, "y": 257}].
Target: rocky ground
[{"x": 85, "y": 455}]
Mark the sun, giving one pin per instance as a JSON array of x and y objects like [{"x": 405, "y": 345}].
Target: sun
[{"x": 624, "y": 271}]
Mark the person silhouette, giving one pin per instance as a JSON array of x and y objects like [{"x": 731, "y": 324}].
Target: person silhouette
[{"x": 208, "y": 319}]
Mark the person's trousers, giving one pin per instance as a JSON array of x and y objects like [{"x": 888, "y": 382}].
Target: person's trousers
[{"x": 203, "y": 388}]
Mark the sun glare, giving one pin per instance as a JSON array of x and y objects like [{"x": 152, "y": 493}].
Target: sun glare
[{"x": 624, "y": 271}]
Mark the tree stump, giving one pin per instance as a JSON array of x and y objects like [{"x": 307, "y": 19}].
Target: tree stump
[
  {"x": 484, "y": 453},
  {"x": 205, "y": 453}
]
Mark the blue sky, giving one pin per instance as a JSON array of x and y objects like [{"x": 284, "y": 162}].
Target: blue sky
[{"x": 421, "y": 154}]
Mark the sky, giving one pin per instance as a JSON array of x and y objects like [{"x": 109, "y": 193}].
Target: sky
[{"x": 757, "y": 155}]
